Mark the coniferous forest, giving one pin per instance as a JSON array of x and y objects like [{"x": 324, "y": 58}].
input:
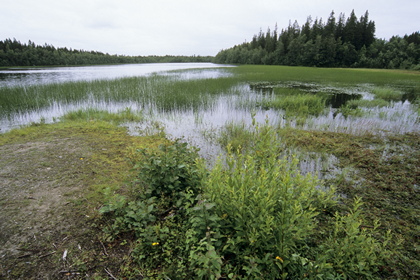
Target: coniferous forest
[
  {"x": 338, "y": 42},
  {"x": 15, "y": 53}
]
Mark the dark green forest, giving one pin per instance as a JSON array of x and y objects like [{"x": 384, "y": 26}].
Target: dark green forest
[
  {"x": 342, "y": 42},
  {"x": 15, "y": 53}
]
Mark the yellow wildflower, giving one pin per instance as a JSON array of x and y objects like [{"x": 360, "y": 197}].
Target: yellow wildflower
[
  {"x": 280, "y": 259},
  {"x": 155, "y": 243}
]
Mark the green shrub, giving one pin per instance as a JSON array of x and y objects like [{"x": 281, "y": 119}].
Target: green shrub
[
  {"x": 253, "y": 216},
  {"x": 352, "y": 248},
  {"x": 267, "y": 209},
  {"x": 169, "y": 172}
]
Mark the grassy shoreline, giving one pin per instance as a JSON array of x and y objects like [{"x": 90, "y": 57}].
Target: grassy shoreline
[{"x": 382, "y": 170}]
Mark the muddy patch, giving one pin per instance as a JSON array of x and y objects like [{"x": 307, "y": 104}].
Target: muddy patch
[{"x": 38, "y": 182}]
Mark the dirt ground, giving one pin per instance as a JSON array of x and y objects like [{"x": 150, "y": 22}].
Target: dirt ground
[{"x": 41, "y": 225}]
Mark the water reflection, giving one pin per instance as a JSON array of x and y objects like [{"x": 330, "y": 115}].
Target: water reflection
[
  {"x": 235, "y": 105},
  {"x": 35, "y": 76},
  {"x": 337, "y": 100}
]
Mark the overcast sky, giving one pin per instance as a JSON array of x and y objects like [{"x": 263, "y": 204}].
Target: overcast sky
[{"x": 182, "y": 27}]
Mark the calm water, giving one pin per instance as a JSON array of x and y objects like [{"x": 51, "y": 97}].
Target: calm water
[
  {"x": 195, "y": 126},
  {"x": 34, "y": 76},
  {"x": 399, "y": 117}
]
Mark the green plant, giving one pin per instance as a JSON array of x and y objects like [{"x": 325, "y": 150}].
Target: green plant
[
  {"x": 156, "y": 211},
  {"x": 297, "y": 105},
  {"x": 267, "y": 209},
  {"x": 350, "y": 110},
  {"x": 169, "y": 172},
  {"x": 90, "y": 114},
  {"x": 238, "y": 136},
  {"x": 203, "y": 240},
  {"x": 377, "y": 102},
  {"x": 387, "y": 94},
  {"x": 352, "y": 247}
]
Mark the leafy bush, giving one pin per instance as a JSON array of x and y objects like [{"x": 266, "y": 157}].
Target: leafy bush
[
  {"x": 169, "y": 172},
  {"x": 266, "y": 208},
  {"x": 167, "y": 184},
  {"x": 352, "y": 248},
  {"x": 253, "y": 216}
]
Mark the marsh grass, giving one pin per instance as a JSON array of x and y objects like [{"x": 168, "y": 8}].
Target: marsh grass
[
  {"x": 298, "y": 105},
  {"x": 237, "y": 135},
  {"x": 164, "y": 92},
  {"x": 91, "y": 114},
  {"x": 332, "y": 76},
  {"x": 387, "y": 94},
  {"x": 377, "y": 102}
]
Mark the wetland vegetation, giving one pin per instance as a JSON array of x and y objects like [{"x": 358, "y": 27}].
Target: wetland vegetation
[{"x": 301, "y": 173}]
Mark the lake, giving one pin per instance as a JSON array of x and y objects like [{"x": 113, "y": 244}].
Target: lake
[
  {"x": 43, "y": 75},
  {"x": 196, "y": 110}
]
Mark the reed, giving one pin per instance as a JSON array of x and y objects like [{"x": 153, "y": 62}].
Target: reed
[
  {"x": 91, "y": 114},
  {"x": 388, "y": 94},
  {"x": 377, "y": 102},
  {"x": 164, "y": 92},
  {"x": 298, "y": 105}
]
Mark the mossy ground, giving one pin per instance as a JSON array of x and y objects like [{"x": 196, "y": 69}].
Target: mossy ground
[
  {"x": 53, "y": 179},
  {"x": 389, "y": 169}
]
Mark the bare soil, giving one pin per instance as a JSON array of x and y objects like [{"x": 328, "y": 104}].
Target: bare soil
[{"x": 45, "y": 234}]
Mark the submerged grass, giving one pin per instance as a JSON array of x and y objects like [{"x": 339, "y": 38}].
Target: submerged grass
[{"x": 164, "y": 92}]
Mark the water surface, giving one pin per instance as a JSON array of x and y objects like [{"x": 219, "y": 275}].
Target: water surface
[{"x": 47, "y": 75}]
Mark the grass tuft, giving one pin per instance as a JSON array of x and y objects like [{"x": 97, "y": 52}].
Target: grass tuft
[{"x": 387, "y": 94}]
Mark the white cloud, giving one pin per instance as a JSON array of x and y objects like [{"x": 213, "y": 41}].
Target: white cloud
[{"x": 144, "y": 27}]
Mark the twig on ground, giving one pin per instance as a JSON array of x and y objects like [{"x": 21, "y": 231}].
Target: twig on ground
[{"x": 110, "y": 274}]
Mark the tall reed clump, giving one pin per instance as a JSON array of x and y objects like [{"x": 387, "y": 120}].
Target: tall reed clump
[
  {"x": 90, "y": 114},
  {"x": 253, "y": 216},
  {"x": 300, "y": 105},
  {"x": 164, "y": 92},
  {"x": 387, "y": 94}
]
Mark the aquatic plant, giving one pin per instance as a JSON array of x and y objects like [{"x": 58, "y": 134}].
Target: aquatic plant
[
  {"x": 297, "y": 105},
  {"x": 388, "y": 94}
]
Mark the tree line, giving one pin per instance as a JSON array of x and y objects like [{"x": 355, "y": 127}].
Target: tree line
[
  {"x": 342, "y": 42},
  {"x": 15, "y": 53}
]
